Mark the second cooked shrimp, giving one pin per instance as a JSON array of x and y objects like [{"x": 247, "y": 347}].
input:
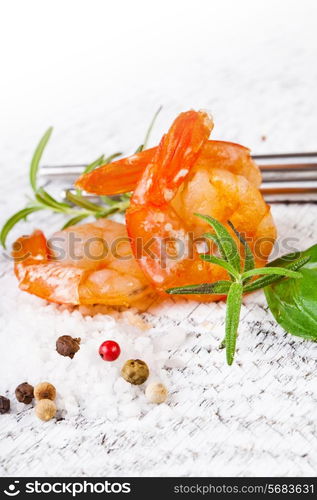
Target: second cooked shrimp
[
  {"x": 88, "y": 264},
  {"x": 123, "y": 175},
  {"x": 176, "y": 185}
]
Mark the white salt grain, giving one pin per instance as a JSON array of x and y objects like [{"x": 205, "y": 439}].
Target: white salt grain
[{"x": 86, "y": 385}]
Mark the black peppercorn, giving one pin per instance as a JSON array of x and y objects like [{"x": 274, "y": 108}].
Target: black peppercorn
[
  {"x": 24, "y": 393},
  {"x": 4, "y": 405},
  {"x": 67, "y": 346}
]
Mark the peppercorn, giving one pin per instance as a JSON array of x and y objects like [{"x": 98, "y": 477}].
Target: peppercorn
[
  {"x": 156, "y": 392},
  {"x": 67, "y": 346},
  {"x": 4, "y": 405},
  {"x": 45, "y": 409},
  {"x": 45, "y": 390},
  {"x": 24, "y": 393},
  {"x": 109, "y": 350},
  {"x": 135, "y": 371}
]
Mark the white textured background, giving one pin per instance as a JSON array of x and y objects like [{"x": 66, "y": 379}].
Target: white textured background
[{"x": 97, "y": 70}]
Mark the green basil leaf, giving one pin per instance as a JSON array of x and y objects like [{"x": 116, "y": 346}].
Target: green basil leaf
[
  {"x": 218, "y": 287},
  {"x": 293, "y": 302},
  {"x": 234, "y": 301},
  {"x": 229, "y": 247}
]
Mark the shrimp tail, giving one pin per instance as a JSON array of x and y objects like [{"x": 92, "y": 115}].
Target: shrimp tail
[
  {"x": 117, "y": 177},
  {"x": 40, "y": 276},
  {"x": 29, "y": 249},
  {"x": 177, "y": 152}
]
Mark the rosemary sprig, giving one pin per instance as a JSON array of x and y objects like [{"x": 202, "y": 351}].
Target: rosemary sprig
[
  {"x": 234, "y": 302},
  {"x": 14, "y": 219},
  {"x": 239, "y": 281},
  {"x": 77, "y": 207},
  {"x": 35, "y": 162},
  {"x": 149, "y": 131}
]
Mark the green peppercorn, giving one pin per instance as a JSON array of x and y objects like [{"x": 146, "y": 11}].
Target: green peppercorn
[{"x": 135, "y": 371}]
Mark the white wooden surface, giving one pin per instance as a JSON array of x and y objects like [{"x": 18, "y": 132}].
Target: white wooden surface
[{"x": 97, "y": 72}]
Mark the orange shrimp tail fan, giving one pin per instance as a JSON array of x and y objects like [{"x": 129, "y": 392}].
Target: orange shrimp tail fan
[
  {"x": 40, "y": 276},
  {"x": 117, "y": 177}
]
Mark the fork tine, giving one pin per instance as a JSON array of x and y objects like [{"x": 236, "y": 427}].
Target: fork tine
[{"x": 287, "y": 177}]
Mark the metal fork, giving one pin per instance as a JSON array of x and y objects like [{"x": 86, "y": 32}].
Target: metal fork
[{"x": 287, "y": 177}]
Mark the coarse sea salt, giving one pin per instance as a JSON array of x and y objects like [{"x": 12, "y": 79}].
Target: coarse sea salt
[{"x": 86, "y": 385}]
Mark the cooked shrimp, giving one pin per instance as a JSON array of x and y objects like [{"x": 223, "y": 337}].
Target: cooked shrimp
[
  {"x": 123, "y": 175},
  {"x": 177, "y": 184},
  {"x": 88, "y": 264}
]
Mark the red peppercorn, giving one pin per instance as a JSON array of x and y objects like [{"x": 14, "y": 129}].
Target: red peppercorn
[{"x": 109, "y": 350}]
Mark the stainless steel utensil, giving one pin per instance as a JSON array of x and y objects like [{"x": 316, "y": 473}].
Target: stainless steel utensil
[{"x": 287, "y": 177}]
